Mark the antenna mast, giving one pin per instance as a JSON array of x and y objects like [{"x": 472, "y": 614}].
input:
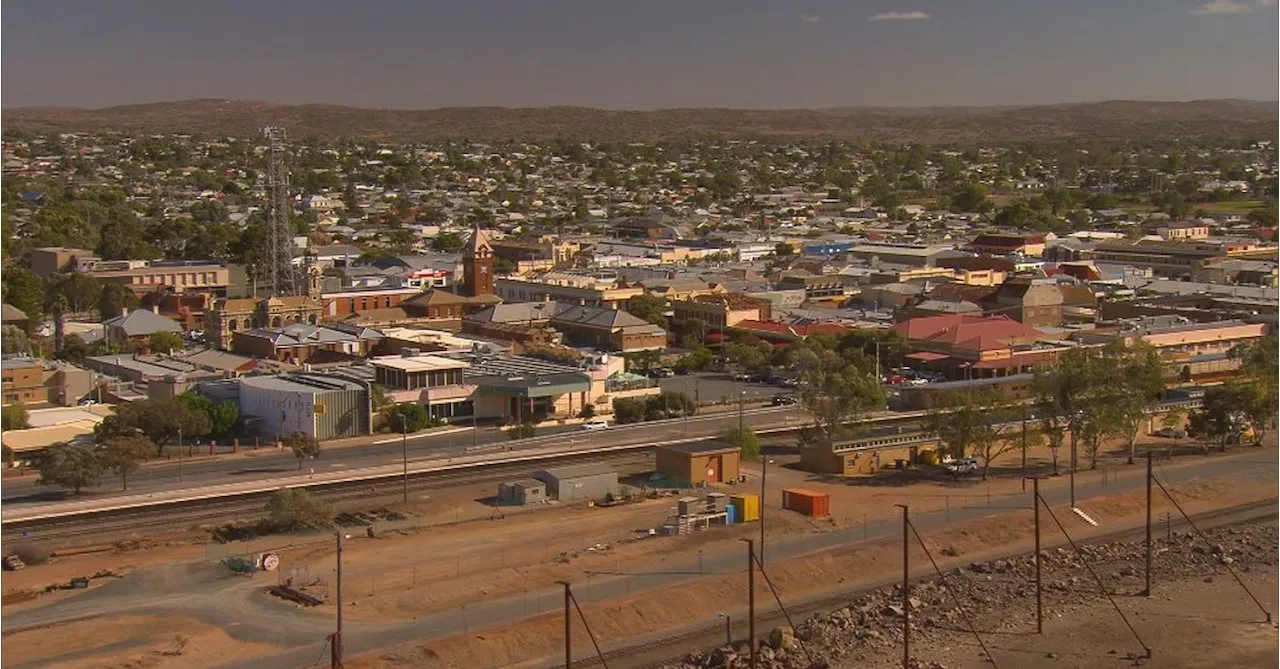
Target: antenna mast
[{"x": 283, "y": 277}]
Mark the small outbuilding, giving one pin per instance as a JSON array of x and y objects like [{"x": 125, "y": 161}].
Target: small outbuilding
[
  {"x": 523, "y": 492},
  {"x": 699, "y": 463},
  {"x": 580, "y": 483}
]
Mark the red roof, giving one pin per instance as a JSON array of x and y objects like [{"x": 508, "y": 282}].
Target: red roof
[{"x": 977, "y": 333}]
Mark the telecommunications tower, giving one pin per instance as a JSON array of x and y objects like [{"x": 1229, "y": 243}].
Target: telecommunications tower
[{"x": 283, "y": 277}]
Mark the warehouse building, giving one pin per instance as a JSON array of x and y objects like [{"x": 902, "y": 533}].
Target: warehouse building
[
  {"x": 317, "y": 405},
  {"x": 580, "y": 483},
  {"x": 699, "y": 463}
]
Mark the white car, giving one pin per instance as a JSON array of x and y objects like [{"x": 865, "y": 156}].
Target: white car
[
  {"x": 593, "y": 425},
  {"x": 966, "y": 466}
]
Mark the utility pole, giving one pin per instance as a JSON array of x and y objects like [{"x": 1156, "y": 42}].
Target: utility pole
[
  {"x": 906, "y": 590},
  {"x": 404, "y": 457},
  {"x": 1024, "y": 448},
  {"x": 751, "y": 599},
  {"x": 1146, "y": 592},
  {"x": 764, "y": 474},
  {"x": 568, "y": 645},
  {"x": 1073, "y": 466},
  {"x": 337, "y": 636},
  {"x": 1035, "y": 494}
]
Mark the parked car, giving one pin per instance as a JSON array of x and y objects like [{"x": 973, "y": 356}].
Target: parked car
[
  {"x": 962, "y": 467},
  {"x": 743, "y": 376},
  {"x": 595, "y": 424},
  {"x": 785, "y": 400},
  {"x": 1171, "y": 433},
  {"x": 662, "y": 373}
]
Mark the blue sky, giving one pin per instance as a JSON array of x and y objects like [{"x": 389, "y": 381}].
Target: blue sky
[{"x": 641, "y": 54}]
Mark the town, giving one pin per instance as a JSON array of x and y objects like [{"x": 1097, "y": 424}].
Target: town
[{"x": 609, "y": 324}]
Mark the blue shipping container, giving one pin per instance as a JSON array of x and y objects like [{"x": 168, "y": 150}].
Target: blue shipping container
[{"x": 730, "y": 513}]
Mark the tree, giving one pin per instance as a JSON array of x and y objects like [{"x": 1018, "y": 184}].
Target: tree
[
  {"x": 223, "y": 416},
  {"x": 294, "y": 508},
  {"x": 668, "y": 405},
  {"x": 746, "y": 440},
  {"x": 641, "y": 362},
  {"x": 628, "y": 410},
  {"x": 14, "y": 341},
  {"x": 115, "y": 300},
  {"x": 407, "y": 417},
  {"x": 14, "y": 417},
  {"x": 523, "y": 430},
  {"x": 161, "y": 419},
  {"x": 69, "y": 466},
  {"x": 782, "y": 249},
  {"x": 165, "y": 342},
  {"x": 650, "y": 308},
  {"x": 750, "y": 352},
  {"x": 970, "y": 198},
  {"x": 79, "y": 291},
  {"x": 25, "y": 291},
  {"x": 122, "y": 455},
  {"x": 981, "y": 424},
  {"x": 836, "y": 389},
  {"x": 303, "y": 446},
  {"x": 447, "y": 242},
  {"x": 1141, "y": 379}
]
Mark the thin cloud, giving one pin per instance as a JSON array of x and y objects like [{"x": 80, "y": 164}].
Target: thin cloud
[
  {"x": 810, "y": 19},
  {"x": 907, "y": 16},
  {"x": 1228, "y": 7}
]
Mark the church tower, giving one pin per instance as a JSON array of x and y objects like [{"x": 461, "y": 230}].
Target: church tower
[{"x": 477, "y": 265}]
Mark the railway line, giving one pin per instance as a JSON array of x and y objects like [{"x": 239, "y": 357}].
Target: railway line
[{"x": 345, "y": 495}]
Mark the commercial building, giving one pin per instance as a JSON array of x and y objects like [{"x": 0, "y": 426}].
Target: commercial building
[
  {"x": 1176, "y": 339},
  {"x": 34, "y": 382},
  {"x": 1008, "y": 244},
  {"x": 963, "y": 346},
  {"x": 50, "y": 259},
  {"x": 519, "y": 389},
  {"x": 317, "y": 405},
  {"x": 904, "y": 255},
  {"x": 436, "y": 382},
  {"x": 714, "y": 313},
  {"x": 140, "y": 276},
  {"x": 608, "y": 329},
  {"x": 815, "y": 286},
  {"x": 580, "y": 483},
  {"x": 567, "y": 289},
  {"x": 698, "y": 463}
]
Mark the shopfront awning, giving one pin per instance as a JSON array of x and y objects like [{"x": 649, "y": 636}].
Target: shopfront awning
[{"x": 926, "y": 356}]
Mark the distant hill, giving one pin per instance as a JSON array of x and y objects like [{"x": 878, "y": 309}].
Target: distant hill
[{"x": 1112, "y": 120}]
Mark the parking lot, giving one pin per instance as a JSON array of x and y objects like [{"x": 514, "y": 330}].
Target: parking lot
[{"x": 720, "y": 388}]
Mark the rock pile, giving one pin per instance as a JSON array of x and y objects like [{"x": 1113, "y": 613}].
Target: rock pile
[{"x": 997, "y": 595}]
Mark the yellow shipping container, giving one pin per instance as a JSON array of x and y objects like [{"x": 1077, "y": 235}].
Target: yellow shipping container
[{"x": 746, "y": 506}]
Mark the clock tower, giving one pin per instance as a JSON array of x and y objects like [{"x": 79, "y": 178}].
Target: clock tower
[{"x": 477, "y": 265}]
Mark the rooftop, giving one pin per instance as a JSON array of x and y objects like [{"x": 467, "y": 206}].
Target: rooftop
[
  {"x": 418, "y": 363},
  {"x": 302, "y": 383}
]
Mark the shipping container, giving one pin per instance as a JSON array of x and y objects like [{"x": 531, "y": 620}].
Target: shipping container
[
  {"x": 808, "y": 502},
  {"x": 747, "y": 506},
  {"x": 730, "y": 515}
]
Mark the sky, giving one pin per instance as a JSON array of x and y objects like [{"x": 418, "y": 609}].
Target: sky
[{"x": 636, "y": 54}]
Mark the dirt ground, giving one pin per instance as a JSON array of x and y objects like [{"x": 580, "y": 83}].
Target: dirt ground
[
  {"x": 126, "y": 642},
  {"x": 538, "y": 640}
]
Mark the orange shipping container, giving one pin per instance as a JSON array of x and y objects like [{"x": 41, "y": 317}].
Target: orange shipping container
[{"x": 809, "y": 502}]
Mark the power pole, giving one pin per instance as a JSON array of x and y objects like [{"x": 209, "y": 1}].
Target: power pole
[
  {"x": 1146, "y": 592},
  {"x": 179, "y": 455},
  {"x": 337, "y": 636},
  {"x": 751, "y": 600},
  {"x": 568, "y": 645},
  {"x": 906, "y": 590},
  {"x": 1035, "y": 493}
]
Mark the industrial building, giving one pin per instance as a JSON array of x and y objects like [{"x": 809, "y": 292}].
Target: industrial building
[
  {"x": 523, "y": 492},
  {"x": 579, "y": 483},
  {"x": 317, "y": 405},
  {"x": 698, "y": 463}
]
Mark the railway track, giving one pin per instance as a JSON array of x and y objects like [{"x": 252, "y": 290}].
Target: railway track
[
  {"x": 660, "y": 652},
  {"x": 344, "y": 496}
]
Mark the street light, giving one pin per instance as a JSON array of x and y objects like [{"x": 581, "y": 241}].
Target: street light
[{"x": 764, "y": 474}]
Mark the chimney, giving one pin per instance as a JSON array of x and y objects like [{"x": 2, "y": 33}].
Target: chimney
[
  {"x": 155, "y": 308},
  {"x": 124, "y": 311}
]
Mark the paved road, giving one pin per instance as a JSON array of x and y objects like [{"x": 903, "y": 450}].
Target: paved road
[
  {"x": 218, "y": 598},
  {"x": 383, "y": 450}
]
